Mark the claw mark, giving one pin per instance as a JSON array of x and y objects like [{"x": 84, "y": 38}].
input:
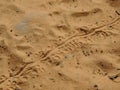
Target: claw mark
[
  {"x": 117, "y": 12},
  {"x": 21, "y": 69},
  {"x": 114, "y": 77},
  {"x": 17, "y": 74},
  {"x": 3, "y": 80}
]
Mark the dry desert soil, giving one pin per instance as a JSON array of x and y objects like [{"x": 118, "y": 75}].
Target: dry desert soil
[{"x": 59, "y": 44}]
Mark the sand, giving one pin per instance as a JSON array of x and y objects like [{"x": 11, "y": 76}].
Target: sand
[{"x": 59, "y": 44}]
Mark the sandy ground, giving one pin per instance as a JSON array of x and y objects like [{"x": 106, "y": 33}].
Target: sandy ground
[{"x": 59, "y": 44}]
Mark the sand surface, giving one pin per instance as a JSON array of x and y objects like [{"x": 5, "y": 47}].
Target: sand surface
[{"x": 59, "y": 44}]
